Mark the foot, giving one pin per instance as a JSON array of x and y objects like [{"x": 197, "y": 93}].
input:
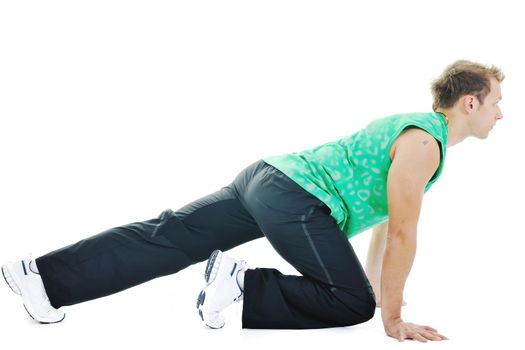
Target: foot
[
  {"x": 222, "y": 288},
  {"x": 23, "y": 278}
]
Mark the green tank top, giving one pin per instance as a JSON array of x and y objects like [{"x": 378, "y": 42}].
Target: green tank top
[{"x": 349, "y": 175}]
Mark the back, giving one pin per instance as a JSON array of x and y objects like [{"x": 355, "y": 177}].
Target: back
[{"x": 349, "y": 175}]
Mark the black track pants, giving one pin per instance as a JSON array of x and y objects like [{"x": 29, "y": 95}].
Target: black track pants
[{"x": 261, "y": 201}]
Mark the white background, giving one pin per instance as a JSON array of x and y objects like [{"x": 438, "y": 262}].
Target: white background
[{"x": 112, "y": 111}]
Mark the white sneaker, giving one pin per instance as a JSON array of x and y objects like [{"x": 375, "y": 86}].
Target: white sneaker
[
  {"x": 221, "y": 290},
  {"x": 21, "y": 277}
]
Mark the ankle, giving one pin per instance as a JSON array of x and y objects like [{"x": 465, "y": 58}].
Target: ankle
[
  {"x": 33, "y": 267},
  {"x": 240, "y": 278}
]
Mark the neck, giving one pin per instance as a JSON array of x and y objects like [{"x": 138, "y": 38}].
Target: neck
[{"x": 457, "y": 131}]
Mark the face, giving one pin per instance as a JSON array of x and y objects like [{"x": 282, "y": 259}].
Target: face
[{"x": 484, "y": 116}]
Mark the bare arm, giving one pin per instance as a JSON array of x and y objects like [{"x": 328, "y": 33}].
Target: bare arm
[
  {"x": 415, "y": 160},
  {"x": 374, "y": 258}
]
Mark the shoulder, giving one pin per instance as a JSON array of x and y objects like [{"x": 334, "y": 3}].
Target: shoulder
[
  {"x": 416, "y": 155},
  {"x": 416, "y": 142}
]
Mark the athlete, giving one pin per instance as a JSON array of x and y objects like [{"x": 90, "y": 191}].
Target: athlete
[{"x": 308, "y": 205}]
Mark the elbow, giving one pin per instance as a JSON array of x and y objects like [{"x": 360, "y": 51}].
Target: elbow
[{"x": 401, "y": 235}]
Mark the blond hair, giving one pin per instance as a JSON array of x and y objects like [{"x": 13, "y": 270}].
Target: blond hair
[{"x": 463, "y": 78}]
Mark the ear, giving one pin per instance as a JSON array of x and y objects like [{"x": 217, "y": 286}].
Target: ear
[{"x": 470, "y": 103}]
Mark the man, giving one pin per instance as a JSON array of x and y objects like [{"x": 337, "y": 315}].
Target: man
[{"x": 307, "y": 205}]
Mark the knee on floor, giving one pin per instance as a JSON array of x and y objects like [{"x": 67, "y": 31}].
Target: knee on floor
[{"x": 360, "y": 307}]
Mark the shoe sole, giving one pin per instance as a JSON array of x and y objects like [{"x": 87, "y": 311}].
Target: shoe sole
[
  {"x": 211, "y": 268},
  {"x": 42, "y": 322},
  {"x": 14, "y": 287},
  {"x": 214, "y": 263},
  {"x": 200, "y": 301},
  {"x": 9, "y": 280}
]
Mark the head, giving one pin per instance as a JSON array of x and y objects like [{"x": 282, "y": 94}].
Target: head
[{"x": 472, "y": 90}]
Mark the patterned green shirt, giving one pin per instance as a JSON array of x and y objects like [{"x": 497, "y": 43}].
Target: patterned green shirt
[{"x": 349, "y": 175}]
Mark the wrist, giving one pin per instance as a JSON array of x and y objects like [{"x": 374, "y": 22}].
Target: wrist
[
  {"x": 389, "y": 321},
  {"x": 390, "y": 316}
]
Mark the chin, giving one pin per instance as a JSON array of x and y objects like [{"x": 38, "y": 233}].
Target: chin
[{"x": 482, "y": 137}]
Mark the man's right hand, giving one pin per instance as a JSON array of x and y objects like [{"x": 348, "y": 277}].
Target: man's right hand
[{"x": 406, "y": 330}]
